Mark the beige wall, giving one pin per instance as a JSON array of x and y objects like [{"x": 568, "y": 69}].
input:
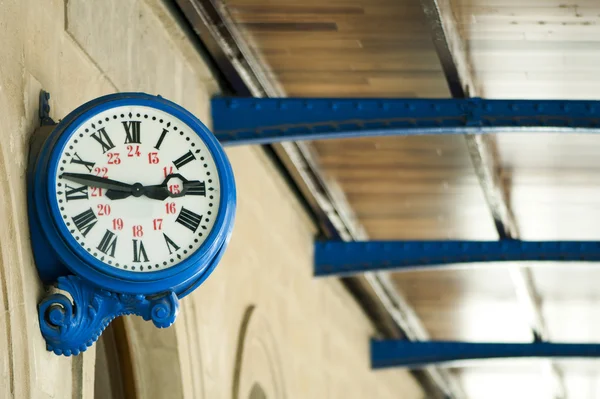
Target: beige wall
[{"x": 261, "y": 309}]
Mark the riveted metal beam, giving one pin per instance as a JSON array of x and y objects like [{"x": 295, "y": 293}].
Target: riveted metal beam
[
  {"x": 268, "y": 120},
  {"x": 348, "y": 258},
  {"x": 403, "y": 353}
]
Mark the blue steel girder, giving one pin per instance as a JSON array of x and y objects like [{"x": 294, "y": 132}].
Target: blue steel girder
[
  {"x": 267, "y": 120},
  {"x": 415, "y": 354},
  {"x": 339, "y": 258}
]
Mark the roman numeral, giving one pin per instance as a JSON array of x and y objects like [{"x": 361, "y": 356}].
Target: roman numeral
[
  {"x": 89, "y": 165},
  {"x": 189, "y": 219},
  {"x": 85, "y": 221},
  {"x": 104, "y": 140},
  {"x": 108, "y": 243},
  {"x": 139, "y": 251},
  {"x": 184, "y": 159},
  {"x": 132, "y": 130},
  {"x": 196, "y": 188},
  {"x": 170, "y": 243},
  {"x": 76, "y": 193},
  {"x": 161, "y": 138}
]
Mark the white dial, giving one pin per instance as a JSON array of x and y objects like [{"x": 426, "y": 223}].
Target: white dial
[{"x": 137, "y": 188}]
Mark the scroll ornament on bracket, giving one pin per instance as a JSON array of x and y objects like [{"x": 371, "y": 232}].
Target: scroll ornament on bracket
[{"x": 66, "y": 323}]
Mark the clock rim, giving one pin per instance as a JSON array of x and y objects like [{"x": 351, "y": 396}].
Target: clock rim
[{"x": 79, "y": 261}]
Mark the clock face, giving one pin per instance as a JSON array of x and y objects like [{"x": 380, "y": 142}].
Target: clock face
[{"x": 137, "y": 188}]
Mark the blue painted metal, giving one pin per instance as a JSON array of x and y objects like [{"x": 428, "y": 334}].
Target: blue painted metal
[
  {"x": 346, "y": 258},
  {"x": 414, "y": 354},
  {"x": 101, "y": 292},
  {"x": 267, "y": 120},
  {"x": 70, "y": 326}
]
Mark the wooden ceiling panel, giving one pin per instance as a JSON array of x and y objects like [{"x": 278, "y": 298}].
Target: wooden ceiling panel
[
  {"x": 410, "y": 187},
  {"x": 400, "y": 188},
  {"x": 425, "y": 187},
  {"x": 448, "y": 302}
]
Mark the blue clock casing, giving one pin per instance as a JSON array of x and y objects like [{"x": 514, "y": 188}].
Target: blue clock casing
[{"x": 100, "y": 292}]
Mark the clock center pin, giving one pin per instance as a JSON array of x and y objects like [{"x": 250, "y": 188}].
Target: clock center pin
[{"x": 137, "y": 190}]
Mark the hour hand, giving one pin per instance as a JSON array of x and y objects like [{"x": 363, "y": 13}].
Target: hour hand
[
  {"x": 116, "y": 195},
  {"x": 160, "y": 192}
]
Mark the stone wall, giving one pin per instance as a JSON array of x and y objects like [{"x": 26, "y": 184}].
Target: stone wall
[{"x": 260, "y": 326}]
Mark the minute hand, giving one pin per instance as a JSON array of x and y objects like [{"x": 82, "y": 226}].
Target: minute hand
[{"x": 97, "y": 181}]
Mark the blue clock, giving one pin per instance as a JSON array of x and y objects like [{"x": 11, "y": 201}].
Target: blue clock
[{"x": 131, "y": 203}]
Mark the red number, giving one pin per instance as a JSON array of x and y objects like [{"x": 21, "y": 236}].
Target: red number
[
  {"x": 102, "y": 172},
  {"x": 157, "y": 224},
  {"x": 174, "y": 188},
  {"x": 138, "y": 231},
  {"x": 96, "y": 191},
  {"x": 153, "y": 158},
  {"x": 167, "y": 171},
  {"x": 133, "y": 151},
  {"x": 118, "y": 224},
  {"x": 113, "y": 158},
  {"x": 103, "y": 210},
  {"x": 170, "y": 208}
]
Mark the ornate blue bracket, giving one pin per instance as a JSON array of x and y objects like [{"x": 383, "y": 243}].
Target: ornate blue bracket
[
  {"x": 403, "y": 353},
  {"x": 71, "y": 326},
  {"x": 267, "y": 120},
  {"x": 338, "y": 258}
]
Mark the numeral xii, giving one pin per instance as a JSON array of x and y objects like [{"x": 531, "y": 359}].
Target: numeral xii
[{"x": 132, "y": 132}]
